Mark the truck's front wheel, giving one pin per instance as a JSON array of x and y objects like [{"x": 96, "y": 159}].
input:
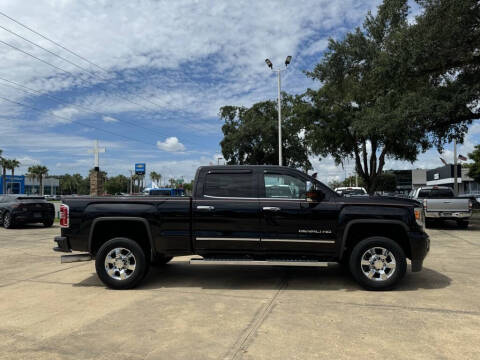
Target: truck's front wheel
[
  {"x": 378, "y": 263},
  {"x": 121, "y": 263}
]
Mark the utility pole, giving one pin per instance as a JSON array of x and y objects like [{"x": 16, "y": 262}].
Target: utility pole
[
  {"x": 131, "y": 182},
  {"x": 278, "y": 71},
  {"x": 455, "y": 172},
  {"x": 279, "y": 120}
]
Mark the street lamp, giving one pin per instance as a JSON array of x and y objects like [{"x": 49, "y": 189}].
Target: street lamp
[{"x": 278, "y": 71}]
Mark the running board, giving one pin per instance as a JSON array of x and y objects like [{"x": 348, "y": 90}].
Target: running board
[
  {"x": 200, "y": 261},
  {"x": 75, "y": 258}
]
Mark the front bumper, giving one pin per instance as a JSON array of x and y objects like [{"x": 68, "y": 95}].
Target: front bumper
[
  {"x": 419, "y": 246},
  {"x": 63, "y": 244}
]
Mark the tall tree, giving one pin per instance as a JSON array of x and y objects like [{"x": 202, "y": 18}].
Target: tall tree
[
  {"x": 251, "y": 134},
  {"x": 377, "y": 102},
  {"x": 38, "y": 172},
  {"x": 117, "y": 184},
  {"x": 474, "y": 168},
  {"x": 4, "y": 165},
  {"x": 155, "y": 177},
  {"x": 12, "y": 165}
]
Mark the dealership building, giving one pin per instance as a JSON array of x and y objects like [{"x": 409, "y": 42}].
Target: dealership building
[
  {"x": 408, "y": 180},
  {"x": 20, "y": 184},
  {"x": 445, "y": 176}
]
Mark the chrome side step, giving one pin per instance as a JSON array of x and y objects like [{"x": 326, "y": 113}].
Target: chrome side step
[
  {"x": 200, "y": 261},
  {"x": 75, "y": 258}
]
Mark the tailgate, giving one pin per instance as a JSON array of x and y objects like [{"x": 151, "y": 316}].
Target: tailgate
[{"x": 447, "y": 205}]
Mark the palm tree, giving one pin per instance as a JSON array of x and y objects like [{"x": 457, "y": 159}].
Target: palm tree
[
  {"x": 38, "y": 172},
  {"x": 4, "y": 164},
  {"x": 155, "y": 177},
  {"x": 136, "y": 183},
  {"x": 13, "y": 164}
]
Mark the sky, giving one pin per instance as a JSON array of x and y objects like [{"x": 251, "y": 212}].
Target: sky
[{"x": 151, "y": 77}]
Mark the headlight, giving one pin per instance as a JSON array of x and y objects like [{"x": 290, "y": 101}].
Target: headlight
[{"x": 419, "y": 216}]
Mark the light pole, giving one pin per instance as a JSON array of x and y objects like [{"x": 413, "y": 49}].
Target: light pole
[{"x": 278, "y": 71}]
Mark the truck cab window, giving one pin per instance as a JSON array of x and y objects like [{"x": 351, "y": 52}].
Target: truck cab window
[
  {"x": 230, "y": 185},
  {"x": 441, "y": 193},
  {"x": 284, "y": 186}
]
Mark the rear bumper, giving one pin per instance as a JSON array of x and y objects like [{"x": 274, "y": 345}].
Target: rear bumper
[
  {"x": 453, "y": 215},
  {"x": 29, "y": 217},
  {"x": 419, "y": 246},
  {"x": 62, "y": 244}
]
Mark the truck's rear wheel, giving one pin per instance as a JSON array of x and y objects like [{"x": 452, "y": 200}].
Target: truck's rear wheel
[
  {"x": 462, "y": 224},
  {"x": 121, "y": 263},
  {"x": 378, "y": 263}
]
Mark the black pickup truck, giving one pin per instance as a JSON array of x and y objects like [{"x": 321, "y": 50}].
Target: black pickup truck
[{"x": 258, "y": 215}]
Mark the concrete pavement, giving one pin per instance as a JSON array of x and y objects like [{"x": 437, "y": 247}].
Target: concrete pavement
[{"x": 54, "y": 311}]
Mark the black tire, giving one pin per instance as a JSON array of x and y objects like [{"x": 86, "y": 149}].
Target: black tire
[
  {"x": 462, "y": 224},
  {"x": 160, "y": 261},
  {"x": 48, "y": 223},
  {"x": 134, "y": 277},
  {"x": 8, "y": 221},
  {"x": 376, "y": 283},
  {"x": 428, "y": 223}
]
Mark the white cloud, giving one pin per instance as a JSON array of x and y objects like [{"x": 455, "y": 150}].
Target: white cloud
[
  {"x": 62, "y": 116},
  {"x": 171, "y": 144},
  {"x": 316, "y": 47},
  {"x": 109, "y": 119},
  {"x": 235, "y": 37}
]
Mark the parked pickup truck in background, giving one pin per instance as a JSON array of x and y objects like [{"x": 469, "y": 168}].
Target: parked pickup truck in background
[
  {"x": 257, "y": 215},
  {"x": 440, "y": 203}
]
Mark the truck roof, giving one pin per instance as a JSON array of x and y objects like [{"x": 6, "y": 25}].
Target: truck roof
[
  {"x": 435, "y": 187},
  {"x": 235, "y": 167}
]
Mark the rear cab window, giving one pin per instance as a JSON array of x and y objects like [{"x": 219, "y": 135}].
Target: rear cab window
[
  {"x": 435, "y": 193},
  {"x": 230, "y": 184}
]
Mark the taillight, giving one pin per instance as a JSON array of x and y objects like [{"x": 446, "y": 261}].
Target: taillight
[
  {"x": 64, "y": 216},
  {"x": 425, "y": 204}
]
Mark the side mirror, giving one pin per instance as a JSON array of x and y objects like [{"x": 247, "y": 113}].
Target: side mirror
[{"x": 315, "y": 195}]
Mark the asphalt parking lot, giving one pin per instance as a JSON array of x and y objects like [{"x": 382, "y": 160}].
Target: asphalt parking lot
[{"x": 50, "y": 310}]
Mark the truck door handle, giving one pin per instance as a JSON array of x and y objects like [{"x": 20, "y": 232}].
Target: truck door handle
[
  {"x": 205, "y": 208},
  {"x": 447, "y": 202},
  {"x": 271, "y": 208}
]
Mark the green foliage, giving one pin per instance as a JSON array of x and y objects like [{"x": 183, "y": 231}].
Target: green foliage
[
  {"x": 73, "y": 184},
  {"x": 4, "y": 164},
  {"x": 335, "y": 184},
  {"x": 12, "y": 165},
  {"x": 251, "y": 134},
  {"x": 38, "y": 172},
  {"x": 188, "y": 187},
  {"x": 117, "y": 184},
  {"x": 387, "y": 93},
  {"x": 155, "y": 177},
  {"x": 474, "y": 169},
  {"x": 350, "y": 181}
]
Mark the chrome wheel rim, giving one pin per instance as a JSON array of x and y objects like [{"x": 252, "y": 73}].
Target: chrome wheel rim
[
  {"x": 378, "y": 264},
  {"x": 120, "y": 263}
]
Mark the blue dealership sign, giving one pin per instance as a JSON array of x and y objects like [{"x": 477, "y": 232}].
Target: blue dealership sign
[
  {"x": 140, "y": 169},
  {"x": 15, "y": 184}
]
